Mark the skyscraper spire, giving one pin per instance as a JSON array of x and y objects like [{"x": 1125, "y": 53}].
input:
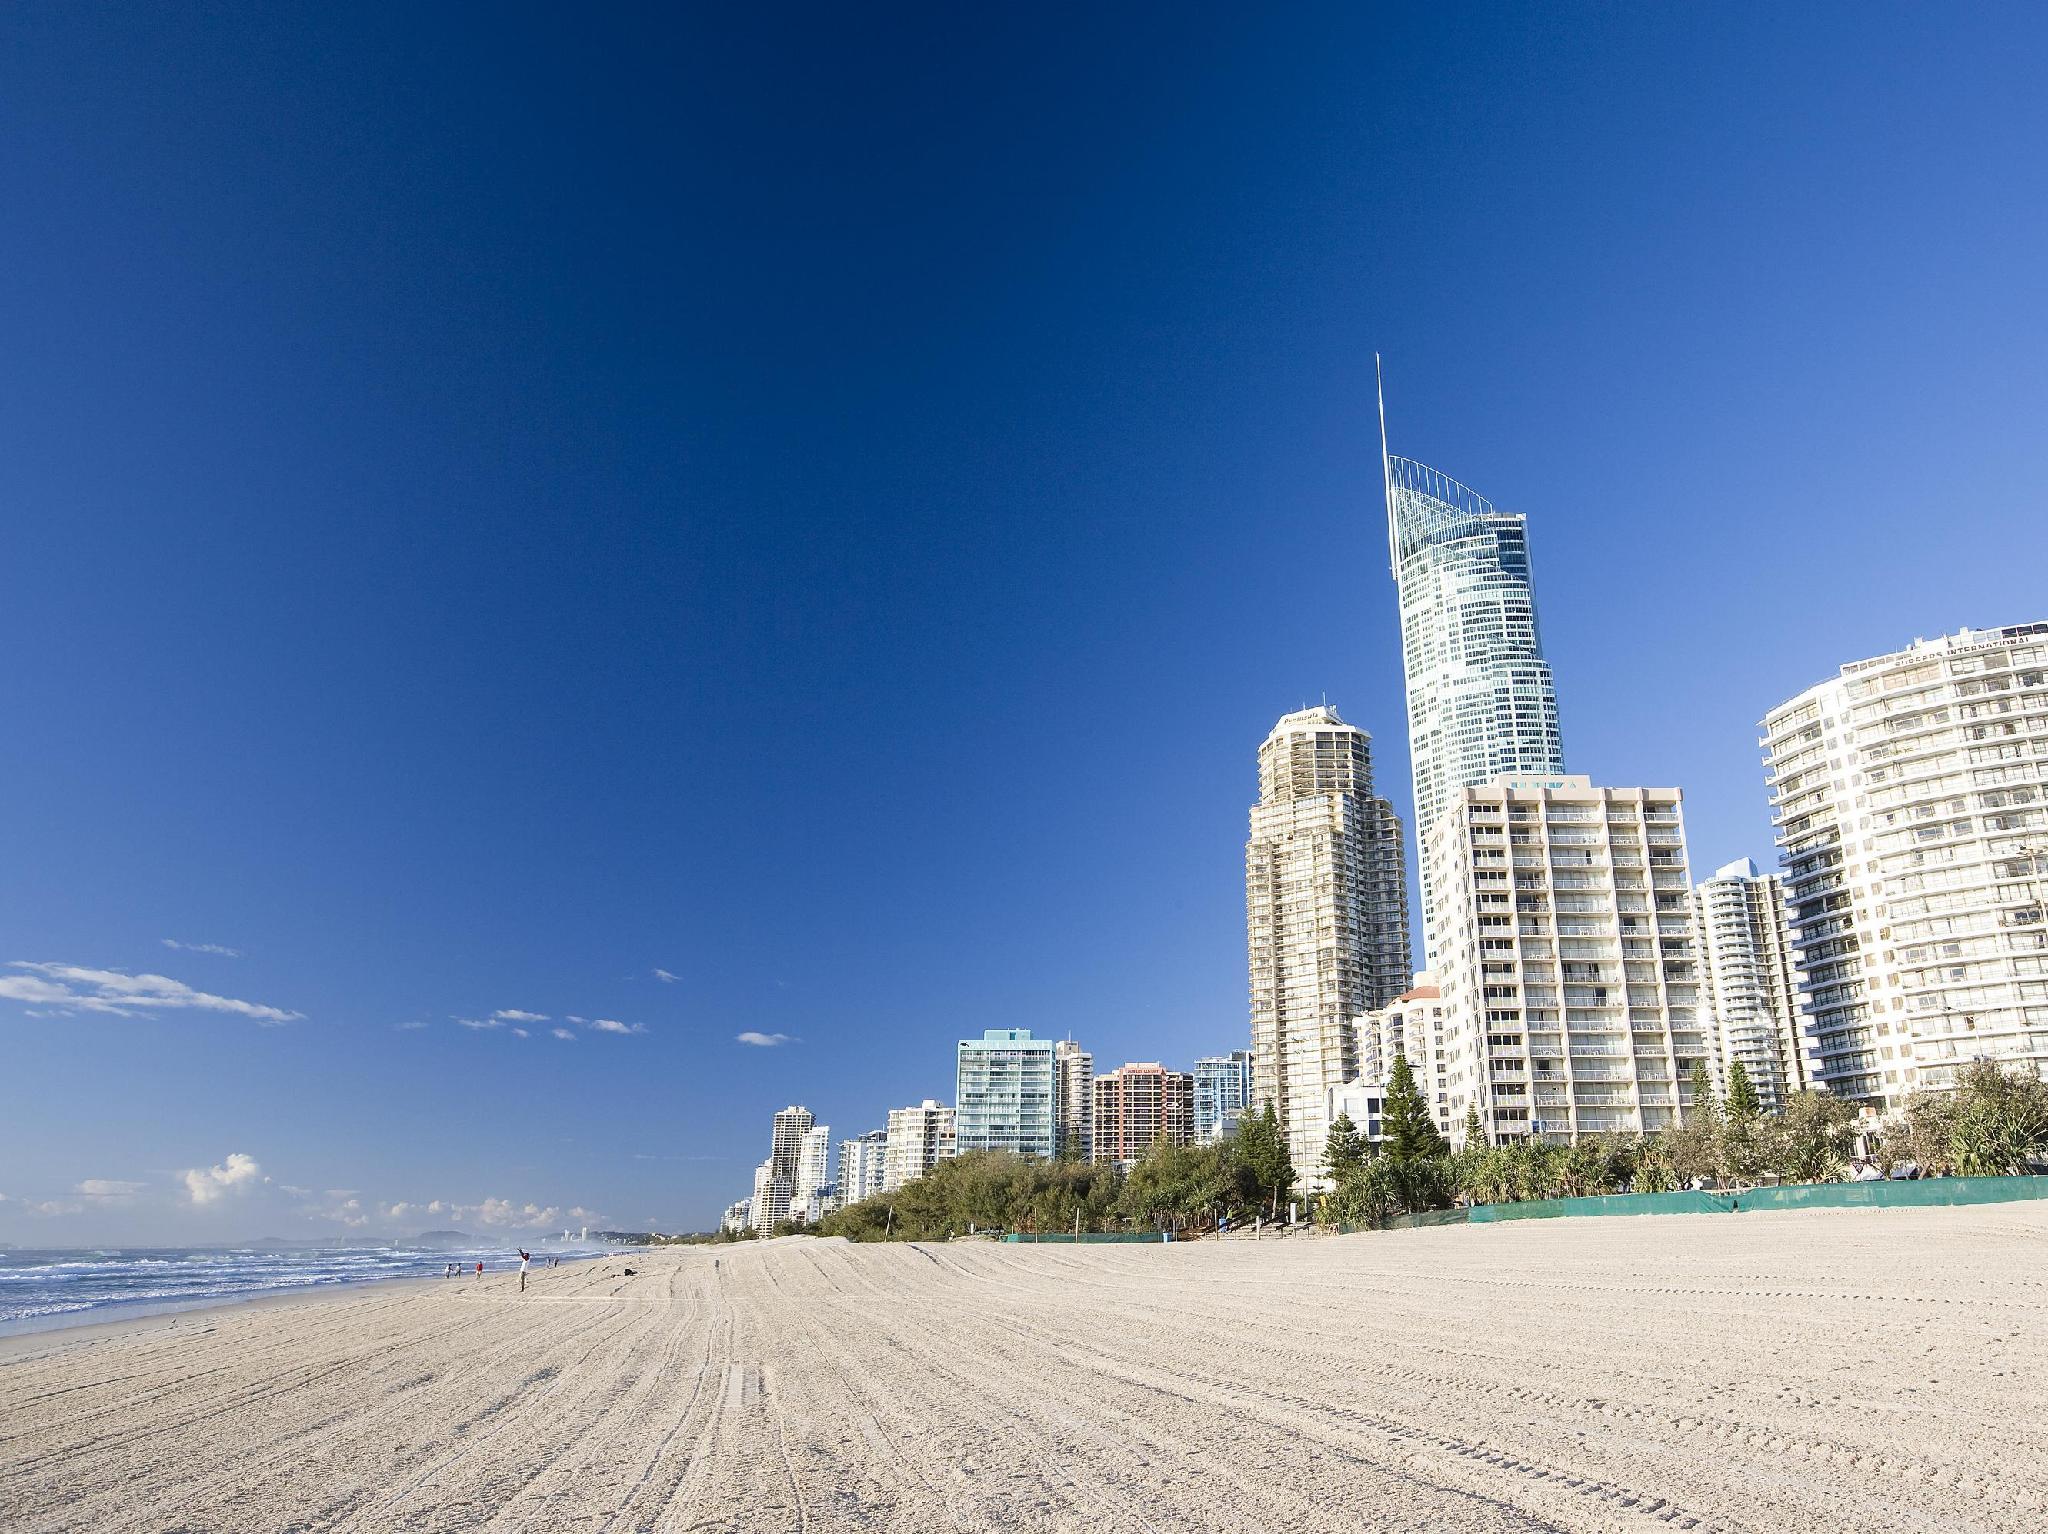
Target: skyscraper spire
[{"x": 1386, "y": 466}]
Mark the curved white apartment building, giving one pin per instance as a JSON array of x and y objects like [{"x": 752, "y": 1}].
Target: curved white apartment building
[{"x": 1911, "y": 799}]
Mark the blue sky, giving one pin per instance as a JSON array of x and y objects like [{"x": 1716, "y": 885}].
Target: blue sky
[{"x": 826, "y": 504}]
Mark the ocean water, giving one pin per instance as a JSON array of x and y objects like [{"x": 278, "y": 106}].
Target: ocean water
[{"x": 56, "y": 1287}]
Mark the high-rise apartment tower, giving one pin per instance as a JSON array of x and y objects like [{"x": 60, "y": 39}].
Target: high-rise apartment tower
[
  {"x": 1223, "y": 1090},
  {"x": 1752, "y": 987},
  {"x": 1139, "y": 1105},
  {"x": 1911, "y": 798},
  {"x": 918, "y": 1139},
  {"x": 813, "y": 1191},
  {"x": 1570, "y": 978},
  {"x": 787, "y": 1144},
  {"x": 1073, "y": 1101},
  {"x": 862, "y": 1162},
  {"x": 1326, "y": 913},
  {"x": 1004, "y": 1093}
]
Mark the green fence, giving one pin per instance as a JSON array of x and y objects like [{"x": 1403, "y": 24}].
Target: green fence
[
  {"x": 1088, "y": 1237},
  {"x": 1920, "y": 1193}
]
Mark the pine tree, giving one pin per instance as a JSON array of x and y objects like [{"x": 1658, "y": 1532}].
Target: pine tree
[
  {"x": 1475, "y": 1134},
  {"x": 1744, "y": 1105},
  {"x": 1704, "y": 1109},
  {"x": 1344, "y": 1151},
  {"x": 1409, "y": 1127},
  {"x": 1263, "y": 1151}
]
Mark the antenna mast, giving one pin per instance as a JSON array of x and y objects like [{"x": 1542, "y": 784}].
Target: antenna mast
[{"x": 1386, "y": 466}]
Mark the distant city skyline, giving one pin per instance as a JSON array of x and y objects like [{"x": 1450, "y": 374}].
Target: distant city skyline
[{"x": 569, "y": 597}]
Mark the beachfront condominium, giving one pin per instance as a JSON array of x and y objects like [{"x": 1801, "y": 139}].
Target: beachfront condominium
[
  {"x": 1481, "y": 701},
  {"x": 775, "y": 1180},
  {"x": 1751, "y": 986},
  {"x": 1073, "y": 1102},
  {"x": 1911, "y": 799},
  {"x": 1570, "y": 979},
  {"x": 1412, "y": 1025},
  {"x": 1223, "y": 1090},
  {"x": 814, "y": 1192},
  {"x": 1326, "y": 914},
  {"x": 787, "y": 1142},
  {"x": 1139, "y": 1105},
  {"x": 919, "y": 1138},
  {"x": 862, "y": 1162},
  {"x": 769, "y": 1206},
  {"x": 1003, "y": 1097}
]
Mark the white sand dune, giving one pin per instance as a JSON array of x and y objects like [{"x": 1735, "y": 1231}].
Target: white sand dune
[{"x": 1851, "y": 1370}]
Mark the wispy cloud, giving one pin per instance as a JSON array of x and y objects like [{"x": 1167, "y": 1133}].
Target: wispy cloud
[
  {"x": 73, "y": 988},
  {"x": 492, "y": 1213},
  {"x": 209, "y": 1185},
  {"x": 214, "y": 948},
  {"x": 765, "y": 1040},
  {"x": 410, "y": 1027},
  {"x": 108, "y": 1188},
  {"x": 507, "y": 1017},
  {"x": 650, "y": 1156},
  {"x": 665, "y": 977}
]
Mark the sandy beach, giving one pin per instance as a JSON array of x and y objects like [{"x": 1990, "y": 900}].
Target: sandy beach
[{"x": 1851, "y": 1370}]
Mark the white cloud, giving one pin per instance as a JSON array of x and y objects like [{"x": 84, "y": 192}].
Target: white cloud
[
  {"x": 491, "y": 1214},
  {"x": 405, "y": 1211},
  {"x": 57, "y": 1206},
  {"x": 507, "y": 1215},
  {"x": 613, "y": 1025},
  {"x": 215, "y": 948},
  {"x": 514, "y": 1015},
  {"x": 764, "y": 1040},
  {"x": 665, "y": 977},
  {"x": 521, "y": 1033},
  {"x": 563, "y": 1033},
  {"x": 208, "y": 1185},
  {"x": 478, "y": 1022},
  {"x": 72, "y": 988},
  {"x": 108, "y": 1188}
]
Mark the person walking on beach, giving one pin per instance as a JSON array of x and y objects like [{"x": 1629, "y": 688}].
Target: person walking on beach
[
  {"x": 479, "y": 1270},
  {"x": 525, "y": 1260}
]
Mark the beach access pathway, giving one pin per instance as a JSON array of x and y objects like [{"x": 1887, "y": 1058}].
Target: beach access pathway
[{"x": 1856, "y": 1370}]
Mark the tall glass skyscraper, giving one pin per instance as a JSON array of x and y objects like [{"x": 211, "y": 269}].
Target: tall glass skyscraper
[
  {"x": 1481, "y": 701},
  {"x": 1223, "y": 1090}
]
